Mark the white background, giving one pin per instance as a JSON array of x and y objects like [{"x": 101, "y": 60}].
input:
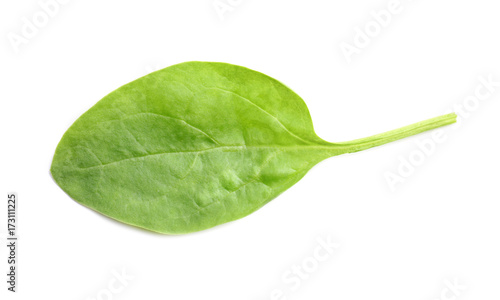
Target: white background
[{"x": 441, "y": 224}]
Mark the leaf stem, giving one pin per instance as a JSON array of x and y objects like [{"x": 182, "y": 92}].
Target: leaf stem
[{"x": 397, "y": 134}]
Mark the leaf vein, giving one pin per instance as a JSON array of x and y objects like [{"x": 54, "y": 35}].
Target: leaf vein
[{"x": 261, "y": 109}]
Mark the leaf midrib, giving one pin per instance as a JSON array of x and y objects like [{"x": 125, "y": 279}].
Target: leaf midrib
[{"x": 241, "y": 148}]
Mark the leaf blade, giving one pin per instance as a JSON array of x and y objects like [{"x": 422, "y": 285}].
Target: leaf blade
[{"x": 204, "y": 163}]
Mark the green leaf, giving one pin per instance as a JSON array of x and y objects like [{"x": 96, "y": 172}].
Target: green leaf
[{"x": 196, "y": 145}]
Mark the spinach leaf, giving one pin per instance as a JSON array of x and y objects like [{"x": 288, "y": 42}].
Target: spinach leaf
[{"x": 196, "y": 145}]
